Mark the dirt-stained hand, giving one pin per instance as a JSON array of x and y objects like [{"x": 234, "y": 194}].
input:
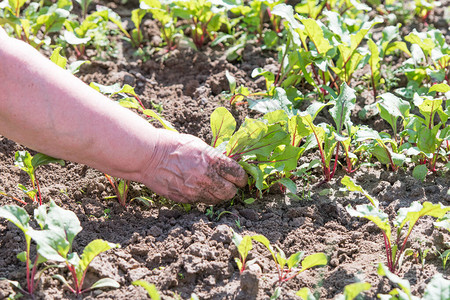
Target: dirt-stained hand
[{"x": 185, "y": 169}]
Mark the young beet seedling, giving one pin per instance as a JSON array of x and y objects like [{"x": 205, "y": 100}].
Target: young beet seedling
[
  {"x": 372, "y": 212},
  {"x": 287, "y": 268},
  {"x": 54, "y": 243},
  {"x": 351, "y": 291},
  {"x": 29, "y": 164},
  {"x": 437, "y": 288},
  {"x": 243, "y": 245},
  {"x": 19, "y": 217}
]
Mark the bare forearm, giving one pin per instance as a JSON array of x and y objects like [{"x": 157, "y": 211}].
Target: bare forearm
[{"x": 45, "y": 108}]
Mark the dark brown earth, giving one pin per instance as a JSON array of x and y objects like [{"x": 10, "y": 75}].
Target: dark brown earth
[{"x": 184, "y": 252}]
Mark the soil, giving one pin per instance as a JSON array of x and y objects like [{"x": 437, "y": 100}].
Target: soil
[{"x": 184, "y": 252}]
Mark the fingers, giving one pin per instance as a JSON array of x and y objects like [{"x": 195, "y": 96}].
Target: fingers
[
  {"x": 230, "y": 170},
  {"x": 210, "y": 189}
]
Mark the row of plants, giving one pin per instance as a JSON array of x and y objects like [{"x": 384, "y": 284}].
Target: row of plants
[
  {"x": 58, "y": 228},
  {"x": 198, "y": 23}
]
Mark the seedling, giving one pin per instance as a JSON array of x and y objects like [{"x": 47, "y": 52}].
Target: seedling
[
  {"x": 372, "y": 212},
  {"x": 243, "y": 245},
  {"x": 135, "y": 37},
  {"x": 351, "y": 291},
  {"x": 19, "y": 217},
  {"x": 84, "y": 6},
  {"x": 54, "y": 242},
  {"x": 165, "y": 15},
  {"x": 444, "y": 256},
  {"x": 287, "y": 268},
  {"x": 150, "y": 288},
  {"x": 429, "y": 137},
  {"x": 121, "y": 187},
  {"x": 437, "y": 288},
  {"x": 205, "y": 16},
  {"x": 29, "y": 164}
]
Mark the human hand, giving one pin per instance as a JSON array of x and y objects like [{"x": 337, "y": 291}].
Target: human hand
[{"x": 185, "y": 169}]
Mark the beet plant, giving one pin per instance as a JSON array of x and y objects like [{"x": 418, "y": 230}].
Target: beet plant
[
  {"x": 437, "y": 288},
  {"x": 58, "y": 228},
  {"x": 262, "y": 147},
  {"x": 205, "y": 18},
  {"x": 29, "y": 164},
  {"x": 243, "y": 245},
  {"x": 19, "y": 217},
  {"x": 288, "y": 267},
  {"x": 351, "y": 291},
  {"x": 427, "y": 135},
  {"x": 165, "y": 15},
  {"x": 405, "y": 216}
]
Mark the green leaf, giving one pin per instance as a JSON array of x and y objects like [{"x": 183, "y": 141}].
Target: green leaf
[
  {"x": 342, "y": 108},
  {"x": 245, "y": 246},
  {"x": 352, "y": 290},
  {"x": 74, "y": 67},
  {"x": 249, "y": 200},
  {"x": 298, "y": 129},
  {"x": 440, "y": 88},
  {"x": 427, "y": 139},
  {"x": 105, "y": 282},
  {"x": 437, "y": 289},
  {"x": 106, "y": 89},
  {"x": 391, "y": 108},
  {"x": 255, "y": 172},
  {"x": 51, "y": 244},
  {"x": 403, "y": 283},
  {"x": 276, "y": 294},
  {"x": 93, "y": 249},
  {"x": 374, "y": 62},
  {"x": 64, "y": 221},
  {"x": 373, "y": 214},
  {"x": 223, "y": 126},
  {"x": 306, "y": 294},
  {"x": 40, "y": 159},
  {"x": 413, "y": 213},
  {"x": 248, "y": 134},
  {"x": 62, "y": 279},
  {"x": 295, "y": 259},
  {"x": 137, "y": 15},
  {"x": 150, "y": 288},
  {"x": 22, "y": 160},
  {"x": 286, "y": 12},
  {"x": 231, "y": 81},
  {"x": 263, "y": 240},
  {"x": 289, "y": 184},
  {"x": 443, "y": 222},
  {"x": 314, "y": 260},
  {"x": 166, "y": 124},
  {"x": 315, "y": 33},
  {"x": 72, "y": 39},
  {"x": 58, "y": 59},
  {"x": 420, "y": 172},
  {"x": 16, "y": 215},
  {"x": 428, "y": 108},
  {"x": 352, "y": 186}
]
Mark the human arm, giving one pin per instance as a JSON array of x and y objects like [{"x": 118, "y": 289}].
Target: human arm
[{"x": 47, "y": 109}]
